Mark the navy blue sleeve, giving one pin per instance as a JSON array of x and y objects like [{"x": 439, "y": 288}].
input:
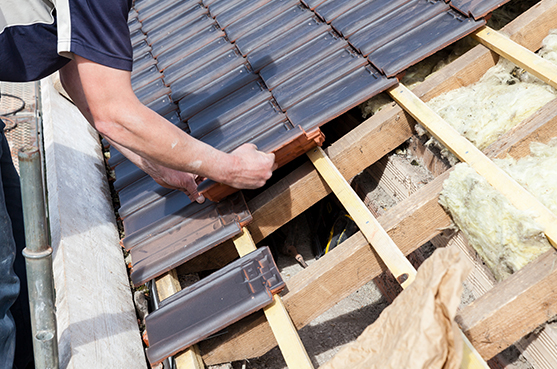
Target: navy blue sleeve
[{"x": 99, "y": 31}]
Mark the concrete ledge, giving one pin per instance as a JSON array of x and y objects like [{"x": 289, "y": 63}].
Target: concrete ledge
[{"x": 97, "y": 325}]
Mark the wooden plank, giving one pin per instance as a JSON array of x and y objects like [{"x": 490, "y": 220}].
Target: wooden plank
[
  {"x": 285, "y": 332},
  {"x": 518, "y": 54},
  {"x": 388, "y": 251},
  {"x": 168, "y": 285},
  {"x": 513, "y": 308},
  {"x": 467, "y": 152},
  {"x": 354, "y": 152}
]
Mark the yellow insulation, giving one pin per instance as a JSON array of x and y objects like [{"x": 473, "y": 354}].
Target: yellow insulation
[
  {"x": 487, "y": 109},
  {"x": 537, "y": 172},
  {"x": 504, "y": 237}
]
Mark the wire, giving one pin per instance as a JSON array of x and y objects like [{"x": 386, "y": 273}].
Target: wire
[
  {"x": 4, "y": 116},
  {"x": 11, "y": 127},
  {"x": 16, "y": 110}
]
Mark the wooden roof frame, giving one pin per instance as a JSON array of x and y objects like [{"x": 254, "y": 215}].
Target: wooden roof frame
[{"x": 411, "y": 223}]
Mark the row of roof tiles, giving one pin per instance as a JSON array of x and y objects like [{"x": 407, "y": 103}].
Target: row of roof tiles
[{"x": 269, "y": 72}]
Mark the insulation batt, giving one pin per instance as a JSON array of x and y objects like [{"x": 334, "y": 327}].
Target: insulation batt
[
  {"x": 489, "y": 108},
  {"x": 504, "y": 237},
  {"x": 505, "y": 96},
  {"x": 537, "y": 172}
]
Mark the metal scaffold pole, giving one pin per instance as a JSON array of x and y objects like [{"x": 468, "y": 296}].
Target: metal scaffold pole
[{"x": 38, "y": 260}]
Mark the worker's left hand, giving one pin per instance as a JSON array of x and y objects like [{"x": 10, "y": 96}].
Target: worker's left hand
[{"x": 183, "y": 181}]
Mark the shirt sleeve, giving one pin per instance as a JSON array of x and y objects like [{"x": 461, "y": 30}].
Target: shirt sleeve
[{"x": 95, "y": 30}]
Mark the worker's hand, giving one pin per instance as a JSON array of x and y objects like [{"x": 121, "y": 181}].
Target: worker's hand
[
  {"x": 183, "y": 181},
  {"x": 252, "y": 167}
]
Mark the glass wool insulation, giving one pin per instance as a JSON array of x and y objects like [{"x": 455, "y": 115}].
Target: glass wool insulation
[{"x": 505, "y": 238}]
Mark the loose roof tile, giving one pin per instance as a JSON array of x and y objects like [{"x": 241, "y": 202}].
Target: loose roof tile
[
  {"x": 181, "y": 236},
  {"x": 422, "y": 41},
  {"x": 283, "y": 140},
  {"x": 237, "y": 290}
]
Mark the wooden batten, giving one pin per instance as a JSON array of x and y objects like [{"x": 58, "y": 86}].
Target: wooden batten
[
  {"x": 354, "y": 152},
  {"x": 190, "y": 358},
  {"x": 410, "y": 223}
]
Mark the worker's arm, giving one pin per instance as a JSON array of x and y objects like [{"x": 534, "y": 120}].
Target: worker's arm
[{"x": 105, "y": 97}]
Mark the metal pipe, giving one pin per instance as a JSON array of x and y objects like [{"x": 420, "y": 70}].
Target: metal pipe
[{"x": 38, "y": 261}]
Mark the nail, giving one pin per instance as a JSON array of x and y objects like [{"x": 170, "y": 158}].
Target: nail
[{"x": 200, "y": 199}]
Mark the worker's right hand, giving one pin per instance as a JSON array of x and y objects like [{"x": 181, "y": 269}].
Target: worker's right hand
[{"x": 252, "y": 168}]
